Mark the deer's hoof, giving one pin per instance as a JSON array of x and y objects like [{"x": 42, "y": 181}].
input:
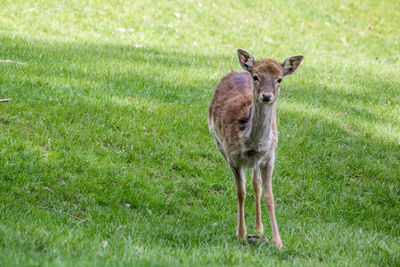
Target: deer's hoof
[
  {"x": 260, "y": 229},
  {"x": 277, "y": 243},
  {"x": 241, "y": 233}
]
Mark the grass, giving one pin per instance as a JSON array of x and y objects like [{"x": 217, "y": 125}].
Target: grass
[{"x": 108, "y": 123}]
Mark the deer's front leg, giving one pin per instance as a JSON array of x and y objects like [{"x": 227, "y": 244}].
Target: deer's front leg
[
  {"x": 240, "y": 181},
  {"x": 266, "y": 174},
  {"x": 256, "y": 181}
]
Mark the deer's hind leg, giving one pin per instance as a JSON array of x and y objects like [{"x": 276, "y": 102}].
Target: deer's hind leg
[
  {"x": 256, "y": 181},
  {"x": 240, "y": 181}
]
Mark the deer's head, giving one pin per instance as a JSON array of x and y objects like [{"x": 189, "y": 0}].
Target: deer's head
[{"x": 267, "y": 74}]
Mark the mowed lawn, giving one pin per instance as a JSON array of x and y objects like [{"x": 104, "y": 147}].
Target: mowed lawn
[{"x": 105, "y": 154}]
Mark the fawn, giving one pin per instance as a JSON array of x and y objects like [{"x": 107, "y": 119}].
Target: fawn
[{"x": 242, "y": 119}]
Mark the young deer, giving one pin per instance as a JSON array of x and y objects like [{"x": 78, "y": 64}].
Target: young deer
[{"x": 242, "y": 119}]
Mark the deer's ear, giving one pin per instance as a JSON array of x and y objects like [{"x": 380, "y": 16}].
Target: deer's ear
[
  {"x": 246, "y": 60},
  {"x": 291, "y": 64}
]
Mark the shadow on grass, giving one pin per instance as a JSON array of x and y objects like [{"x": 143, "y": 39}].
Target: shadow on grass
[
  {"x": 367, "y": 91},
  {"x": 117, "y": 70}
]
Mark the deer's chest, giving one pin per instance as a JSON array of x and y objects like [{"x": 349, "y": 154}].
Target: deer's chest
[{"x": 255, "y": 156}]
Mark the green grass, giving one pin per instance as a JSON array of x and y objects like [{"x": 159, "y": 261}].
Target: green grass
[{"x": 110, "y": 126}]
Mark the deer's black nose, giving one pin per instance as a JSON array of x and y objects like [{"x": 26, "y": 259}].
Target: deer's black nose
[{"x": 266, "y": 97}]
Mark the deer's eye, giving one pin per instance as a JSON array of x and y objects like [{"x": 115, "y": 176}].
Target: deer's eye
[
  {"x": 279, "y": 80},
  {"x": 255, "y": 78}
]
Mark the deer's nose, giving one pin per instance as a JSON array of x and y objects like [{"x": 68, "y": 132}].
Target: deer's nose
[{"x": 266, "y": 97}]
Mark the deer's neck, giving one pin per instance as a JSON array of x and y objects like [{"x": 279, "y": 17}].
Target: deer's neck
[{"x": 260, "y": 122}]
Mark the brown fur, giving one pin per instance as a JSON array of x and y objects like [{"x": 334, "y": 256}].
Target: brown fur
[
  {"x": 230, "y": 106},
  {"x": 242, "y": 119}
]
